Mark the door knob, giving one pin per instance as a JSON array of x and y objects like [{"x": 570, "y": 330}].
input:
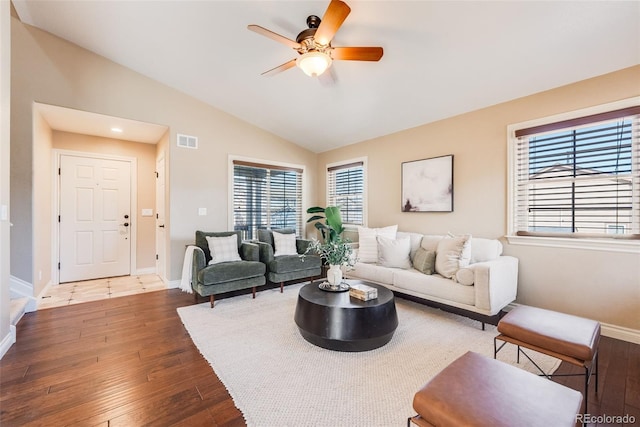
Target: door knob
[
  {"x": 126, "y": 216},
  {"x": 126, "y": 224}
]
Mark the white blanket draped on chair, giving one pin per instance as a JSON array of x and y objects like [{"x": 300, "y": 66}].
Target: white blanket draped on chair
[{"x": 185, "y": 282}]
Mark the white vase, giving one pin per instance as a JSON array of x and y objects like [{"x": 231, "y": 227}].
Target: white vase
[{"x": 334, "y": 275}]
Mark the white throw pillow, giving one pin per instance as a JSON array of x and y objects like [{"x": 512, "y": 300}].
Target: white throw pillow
[
  {"x": 368, "y": 244},
  {"x": 285, "y": 243},
  {"x": 485, "y": 249},
  {"x": 464, "y": 276},
  {"x": 453, "y": 253},
  {"x": 394, "y": 252},
  {"x": 223, "y": 249}
]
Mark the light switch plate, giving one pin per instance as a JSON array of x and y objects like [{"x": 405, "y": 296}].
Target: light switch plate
[
  {"x": 147, "y": 212},
  {"x": 202, "y": 211},
  {"x": 4, "y": 213}
]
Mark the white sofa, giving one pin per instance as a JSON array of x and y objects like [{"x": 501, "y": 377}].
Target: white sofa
[{"x": 486, "y": 281}]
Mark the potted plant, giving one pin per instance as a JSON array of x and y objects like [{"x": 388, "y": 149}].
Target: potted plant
[{"x": 334, "y": 250}]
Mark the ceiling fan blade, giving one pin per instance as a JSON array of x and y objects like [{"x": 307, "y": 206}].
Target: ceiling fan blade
[
  {"x": 280, "y": 68},
  {"x": 333, "y": 18},
  {"x": 357, "y": 53},
  {"x": 274, "y": 36}
]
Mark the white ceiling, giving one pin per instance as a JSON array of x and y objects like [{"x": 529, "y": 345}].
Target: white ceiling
[{"x": 441, "y": 58}]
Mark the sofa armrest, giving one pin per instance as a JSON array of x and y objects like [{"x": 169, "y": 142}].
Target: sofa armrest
[
  {"x": 302, "y": 245},
  {"x": 266, "y": 252},
  {"x": 198, "y": 263},
  {"x": 496, "y": 283},
  {"x": 249, "y": 251}
]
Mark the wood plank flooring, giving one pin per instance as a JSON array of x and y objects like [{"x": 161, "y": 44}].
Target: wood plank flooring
[{"x": 129, "y": 362}]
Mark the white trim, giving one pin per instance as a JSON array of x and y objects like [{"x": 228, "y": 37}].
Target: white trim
[
  {"x": 8, "y": 341},
  {"x": 143, "y": 271},
  {"x": 608, "y": 245},
  {"x": 20, "y": 287},
  {"x": 233, "y": 157},
  {"x": 617, "y": 245},
  {"x": 55, "y": 229},
  {"x": 173, "y": 284},
  {"x": 365, "y": 187}
]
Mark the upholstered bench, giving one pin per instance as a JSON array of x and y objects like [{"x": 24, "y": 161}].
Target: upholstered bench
[
  {"x": 476, "y": 390},
  {"x": 569, "y": 338}
]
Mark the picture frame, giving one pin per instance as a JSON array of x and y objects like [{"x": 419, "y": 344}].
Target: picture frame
[{"x": 427, "y": 185}]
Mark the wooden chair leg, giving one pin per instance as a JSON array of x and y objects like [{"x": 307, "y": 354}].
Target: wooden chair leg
[
  {"x": 254, "y": 292},
  {"x": 281, "y": 287},
  {"x": 211, "y": 300}
]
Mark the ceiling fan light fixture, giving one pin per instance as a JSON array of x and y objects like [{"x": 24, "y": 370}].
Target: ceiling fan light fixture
[{"x": 313, "y": 63}]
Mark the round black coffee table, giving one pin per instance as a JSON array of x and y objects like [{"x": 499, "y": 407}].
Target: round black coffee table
[{"x": 337, "y": 321}]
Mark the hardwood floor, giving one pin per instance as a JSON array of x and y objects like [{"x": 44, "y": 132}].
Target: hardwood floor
[{"x": 129, "y": 362}]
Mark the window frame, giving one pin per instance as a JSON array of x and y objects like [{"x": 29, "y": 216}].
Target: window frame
[
  {"x": 589, "y": 243},
  {"x": 265, "y": 163},
  {"x": 342, "y": 163}
]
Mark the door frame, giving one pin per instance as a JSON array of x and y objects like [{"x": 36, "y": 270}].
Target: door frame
[
  {"x": 55, "y": 200},
  {"x": 162, "y": 273}
]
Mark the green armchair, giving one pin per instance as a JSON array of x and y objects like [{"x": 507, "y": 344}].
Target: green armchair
[
  {"x": 225, "y": 276},
  {"x": 290, "y": 267}
]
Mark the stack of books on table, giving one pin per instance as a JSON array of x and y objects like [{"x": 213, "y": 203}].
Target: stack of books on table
[{"x": 363, "y": 292}]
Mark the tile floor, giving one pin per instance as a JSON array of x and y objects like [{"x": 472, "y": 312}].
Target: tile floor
[{"x": 92, "y": 290}]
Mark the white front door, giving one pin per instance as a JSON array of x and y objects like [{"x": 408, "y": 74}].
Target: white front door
[
  {"x": 160, "y": 220},
  {"x": 95, "y": 218}
]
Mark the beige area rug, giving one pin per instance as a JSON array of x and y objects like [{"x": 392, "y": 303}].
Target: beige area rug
[{"x": 276, "y": 378}]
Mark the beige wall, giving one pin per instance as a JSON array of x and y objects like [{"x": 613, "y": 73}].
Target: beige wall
[
  {"x": 43, "y": 210},
  {"x": 5, "y": 86},
  {"x": 49, "y": 70},
  {"x": 598, "y": 284},
  {"x": 145, "y": 155}
]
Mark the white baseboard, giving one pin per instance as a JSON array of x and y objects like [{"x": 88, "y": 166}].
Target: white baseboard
[
  {"x": 7, "y": 341},
  {"x": 141, "y": 271},
  {"x": 620, "y": 333},
  {"x": 173, "y": 284},
  {"x": 24, "y": 289}
]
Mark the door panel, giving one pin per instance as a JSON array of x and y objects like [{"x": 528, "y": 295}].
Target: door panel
[{"x": 95, "y": 197}]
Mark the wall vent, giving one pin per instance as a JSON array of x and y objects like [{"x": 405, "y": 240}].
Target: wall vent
[{"x": 186, "y": 141}]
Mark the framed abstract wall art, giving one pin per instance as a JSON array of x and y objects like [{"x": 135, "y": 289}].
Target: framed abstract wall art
[{"x": 427, "y": 185}]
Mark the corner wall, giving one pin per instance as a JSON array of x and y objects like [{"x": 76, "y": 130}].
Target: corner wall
[{"x": 597, "y": 284}]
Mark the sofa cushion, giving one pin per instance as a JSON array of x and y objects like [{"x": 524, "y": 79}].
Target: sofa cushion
[
  {"x": 485, "y": 249},
  {"x": 223, "y": 249},
  {"x": 434, "y": 286},
  {"x": 464, "y": 276},
  {"x": 415, "y": 238},
  {"x": 394, "y": 252},
  {"x": 284, "y": 244},
  {"x": 430, "y": 242},
  {"x": 452, "y": 254},
  {"x": 373, "y": 272},
  {"x": 425, "y": 261},
  {"x": 367, "y": 243}
]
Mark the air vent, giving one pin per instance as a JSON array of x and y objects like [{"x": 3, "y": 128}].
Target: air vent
[{"x": 186, "y": 141}]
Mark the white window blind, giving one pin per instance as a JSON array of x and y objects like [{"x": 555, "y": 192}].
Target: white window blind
[
  {"x": 266, "y": 196},
  {"x": 580, "y": 177},
  {"x": 345, "y": 188}
]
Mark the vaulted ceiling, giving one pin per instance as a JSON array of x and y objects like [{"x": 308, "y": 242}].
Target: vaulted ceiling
[{"x": 441, "y": 58}]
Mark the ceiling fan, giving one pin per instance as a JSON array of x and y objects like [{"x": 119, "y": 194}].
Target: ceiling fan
[{"x": 314, "y": 43}]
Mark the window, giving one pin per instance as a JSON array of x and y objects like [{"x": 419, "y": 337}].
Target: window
[
  {"x": 266, "y": 196},
  {"x": 578, "y": 177},
  {"x": 345, "y": 188}
]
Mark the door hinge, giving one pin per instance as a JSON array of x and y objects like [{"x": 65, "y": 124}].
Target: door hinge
[
  {"x": 58, "y": 218},
  {"x": 157, "y": 217},
  {"x": 59, "y": 169},
  {"x": 58, "y": 266},
  {"x": 157, "y": 175},
  {"x": 157, "y": 257}
]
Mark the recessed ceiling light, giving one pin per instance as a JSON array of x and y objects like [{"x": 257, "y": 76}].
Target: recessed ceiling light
[{"x": 118, "y": 130}]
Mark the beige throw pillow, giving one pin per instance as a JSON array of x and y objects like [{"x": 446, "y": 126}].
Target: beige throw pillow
[
  {"x": 367, "y": 243},
  {"x": 285, "y": 244},
  {"x": 464, "y": 276},
  {"x": 453, "y": 253},
  {"x": 424, "y": 261},
  {"x": 394, "y": 252}
]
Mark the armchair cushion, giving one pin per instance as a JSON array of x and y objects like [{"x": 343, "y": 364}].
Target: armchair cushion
[
  {"x": 229, "y": 271},
  {"x": 223, "y": 249},
  {"x": 284, "y": 243}
]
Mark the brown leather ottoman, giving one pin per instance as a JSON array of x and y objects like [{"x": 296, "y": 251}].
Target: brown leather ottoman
[
  {"x": 476, "y": 390},
  {"x": 569, "y": 338}
]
